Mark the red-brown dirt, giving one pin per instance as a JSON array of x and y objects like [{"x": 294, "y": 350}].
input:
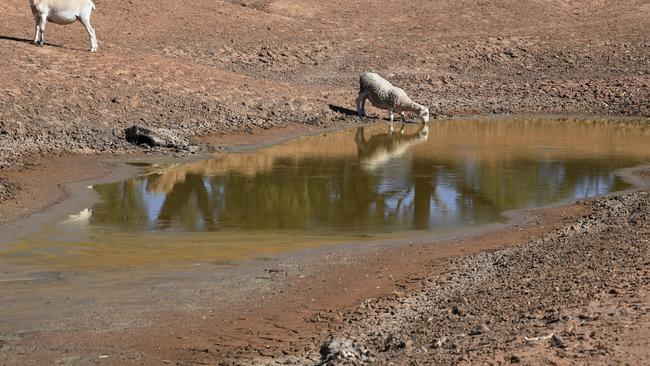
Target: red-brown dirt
[{"x": 203, "y": 68}]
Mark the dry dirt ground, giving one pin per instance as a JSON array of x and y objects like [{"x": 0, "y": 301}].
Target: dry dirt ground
[
  {"x": 202, "y": 68},
  {"x": 576, "y": 295}
]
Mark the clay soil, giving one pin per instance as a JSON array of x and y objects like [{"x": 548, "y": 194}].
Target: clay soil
[{"x": 573, "y": 281}]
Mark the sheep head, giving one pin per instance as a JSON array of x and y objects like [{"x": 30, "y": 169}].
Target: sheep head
[{"x": 423, "y": 114}]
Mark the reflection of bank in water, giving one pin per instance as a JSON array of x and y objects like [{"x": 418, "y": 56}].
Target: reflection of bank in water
[
  {"x": 371, "y": 152},
  {"x": 422, "y": 177},
  {"x": 363, "y": 182},
  {"x": 382, "y": 147}
]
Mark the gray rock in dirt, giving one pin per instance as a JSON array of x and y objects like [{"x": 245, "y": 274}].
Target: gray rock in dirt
[
  {"x": 479, "y": 329},
  {"x": 341, "y": 350},
  {"x": 160, "y": 137},
  {"x": 438, "y": 342},
  {"x": 515, "y": 359},
  {"x": 558, "y": 342}
]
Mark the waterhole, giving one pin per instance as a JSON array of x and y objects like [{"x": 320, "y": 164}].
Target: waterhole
[{"x": 359, "y": 184}]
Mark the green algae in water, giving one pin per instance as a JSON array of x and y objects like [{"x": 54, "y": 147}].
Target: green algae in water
[{"x": 360, "y": 183}]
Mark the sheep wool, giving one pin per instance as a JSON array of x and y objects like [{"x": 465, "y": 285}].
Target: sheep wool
[
  {"x": 62, "y": 12},
  {"x": 384, "y": 95}
]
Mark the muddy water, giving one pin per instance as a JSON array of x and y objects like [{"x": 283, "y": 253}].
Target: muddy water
[{"x": 358, "y": 184}]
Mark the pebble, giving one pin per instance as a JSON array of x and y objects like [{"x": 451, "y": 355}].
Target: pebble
[{"x": 558, "y": 342}]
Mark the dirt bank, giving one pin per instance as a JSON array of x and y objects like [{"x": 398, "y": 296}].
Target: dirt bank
[
  {"x": 229, "y": 66},
  {"x": 576, "y": 294}
]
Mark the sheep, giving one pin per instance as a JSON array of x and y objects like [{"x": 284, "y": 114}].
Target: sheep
[
  {"x": 382, "y": 94},
  {"x": 62, "y": 12}
]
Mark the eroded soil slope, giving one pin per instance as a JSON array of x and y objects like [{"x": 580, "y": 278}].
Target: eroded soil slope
[{"x": 200, "y": 67}]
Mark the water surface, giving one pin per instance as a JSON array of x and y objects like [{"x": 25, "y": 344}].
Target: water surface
[{"x": 345, "y": 186}]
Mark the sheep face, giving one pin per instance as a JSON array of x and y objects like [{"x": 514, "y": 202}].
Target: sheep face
[{"x": 423, "y": 114}]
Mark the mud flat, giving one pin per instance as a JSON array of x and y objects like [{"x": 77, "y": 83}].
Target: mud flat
[
  {"x": 566, "y": 285},
  {"x": 559, "y": 284}
]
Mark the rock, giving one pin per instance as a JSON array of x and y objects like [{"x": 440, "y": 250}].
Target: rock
[
  {"x": 438, "y": 342},
  {"x": 457, "y": 310},
  {"x": 611, "y": 312},
  {"x": 479, "y": 329},
  {"x": 397, "y": 342},
  {"x": 153, "y": 138},
  {"x": 340, "y": 350},
  {"x": 514, "y": 359},
  {"x": 557, "y": 341}
]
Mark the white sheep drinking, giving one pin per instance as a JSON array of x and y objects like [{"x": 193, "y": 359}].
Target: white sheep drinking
[
  {"x": 62, "y": 12},
  {"x": 382, "y": 94}
]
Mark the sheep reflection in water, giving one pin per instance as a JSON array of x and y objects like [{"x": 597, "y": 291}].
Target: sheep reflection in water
[{"x": 382, "y": 147}]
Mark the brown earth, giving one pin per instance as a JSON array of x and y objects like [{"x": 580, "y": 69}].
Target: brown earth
[
  {"x": 233, "y": 68},
  {"x": 578, "y": 294},
  {"x": 204, "y": 67}
]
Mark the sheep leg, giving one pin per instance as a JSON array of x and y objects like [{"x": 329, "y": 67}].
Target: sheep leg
[
  {"x": 85, "y": 20},
  {"x": 360, "y": 140},
  {"x": 361, "y": 104},
  {"x": 41, "y": 28},
  {"x": 423, "y": 130},
  {"x": 391, "y": 115},
  {"x": 37, "y": 34},
  {"x": 403, "y": 116}
]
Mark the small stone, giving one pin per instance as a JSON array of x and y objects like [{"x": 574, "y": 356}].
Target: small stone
[
  {"x": 160, "y": 137},
  {"x": 587, "y": 317},
  {"x": 514, "y": 359},
  {"x": 479, "y": 329},
  {"x": 611, "y": 312},
  {"x": 557, "y": 341},
  {"x": 438, "y": 342},
  {"x": 457, "y": 310}
]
